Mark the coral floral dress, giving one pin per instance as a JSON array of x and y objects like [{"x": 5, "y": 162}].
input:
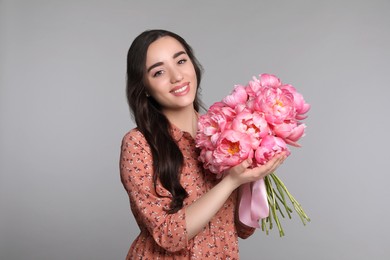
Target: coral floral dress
[{"x": 163, "y": 235}]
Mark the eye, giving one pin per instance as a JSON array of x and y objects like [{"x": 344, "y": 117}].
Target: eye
[
  {"x": 182, "y": 61},
  {"x": 158, "y": 73}
]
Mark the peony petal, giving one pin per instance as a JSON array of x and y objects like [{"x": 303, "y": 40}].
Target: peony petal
[
  {"x": 238, "y": 96},
  {"x": 292, "y": 143},
  {"x": 269, "y": 80},
  {"x": 296, "y": 133}
]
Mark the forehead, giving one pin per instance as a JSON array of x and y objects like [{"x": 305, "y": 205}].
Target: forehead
[{"x": 163, "y": 49}]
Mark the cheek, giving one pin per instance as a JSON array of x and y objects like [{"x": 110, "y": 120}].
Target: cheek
[
  {"x": 154, "y": 85},
  {"x": 196, "y": 82},
  {"x": 195, "y": 78}
]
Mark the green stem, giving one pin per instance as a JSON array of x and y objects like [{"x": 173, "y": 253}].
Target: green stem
[
  {"x": 272, "y": 204},
  {"x": 282, "y": 198},
  {"x": 275, "y": 195},
  {"x": 298, "y": 208}
]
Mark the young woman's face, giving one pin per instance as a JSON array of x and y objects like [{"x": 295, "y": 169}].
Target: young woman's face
[{"x": 170, "y": 76}]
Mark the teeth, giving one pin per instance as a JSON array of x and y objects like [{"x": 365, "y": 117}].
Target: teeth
[{"x": 180, "y": 89}]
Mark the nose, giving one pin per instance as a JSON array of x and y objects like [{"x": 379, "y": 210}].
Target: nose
[{"x": 176, "y": 75}]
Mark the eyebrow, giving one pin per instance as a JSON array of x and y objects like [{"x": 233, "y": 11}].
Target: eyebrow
[{"x": 177, "y": 54}]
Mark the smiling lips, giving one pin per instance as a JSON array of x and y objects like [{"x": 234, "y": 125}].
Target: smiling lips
[{"x": 181, "y": 90}]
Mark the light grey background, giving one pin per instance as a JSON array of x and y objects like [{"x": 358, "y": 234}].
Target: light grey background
[{"x": 63, "y": 113}]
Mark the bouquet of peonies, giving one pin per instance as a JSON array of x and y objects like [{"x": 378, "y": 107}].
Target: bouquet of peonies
[{"x": 255, "y": 121}]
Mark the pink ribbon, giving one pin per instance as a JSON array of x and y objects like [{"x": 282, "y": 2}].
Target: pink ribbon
[{"x": 253, "y": 204}]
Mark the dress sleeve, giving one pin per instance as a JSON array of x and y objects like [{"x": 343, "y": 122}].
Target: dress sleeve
[
  {"x": 243, "y": 231},
  {"x": 149, "y": 209}
]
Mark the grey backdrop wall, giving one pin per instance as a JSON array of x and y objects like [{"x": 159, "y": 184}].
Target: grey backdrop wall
[{"x": 63, "y": 113}]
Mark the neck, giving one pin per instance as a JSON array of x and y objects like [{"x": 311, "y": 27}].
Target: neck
[{"x": 185, "y": 119}]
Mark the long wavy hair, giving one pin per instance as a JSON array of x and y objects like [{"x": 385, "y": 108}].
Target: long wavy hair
[{"x": 151, "y": 122}]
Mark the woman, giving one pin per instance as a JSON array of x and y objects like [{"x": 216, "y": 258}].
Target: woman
[{"x": 182, "y": 211}]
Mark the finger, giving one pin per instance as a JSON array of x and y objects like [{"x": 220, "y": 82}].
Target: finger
[
  {"x": 247, "y": 163},
  {"x": 242, "y": 166},
  {"x": 278, "y": 161},
  {"x": 274, "y": 163}
]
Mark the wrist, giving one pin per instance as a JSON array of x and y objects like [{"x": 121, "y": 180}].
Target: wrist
[{"x": 230, "y": 182}]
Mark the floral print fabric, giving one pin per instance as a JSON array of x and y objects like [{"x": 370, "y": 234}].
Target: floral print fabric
[{"x": 163, "y": 235}]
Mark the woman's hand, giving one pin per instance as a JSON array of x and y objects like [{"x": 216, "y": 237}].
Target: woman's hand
[
  {"x": 241, "y": 173},
  {"x": 199, "y": 213}
]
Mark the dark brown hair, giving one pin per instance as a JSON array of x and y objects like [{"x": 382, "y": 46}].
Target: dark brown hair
[{"x": 151, "y": 122}]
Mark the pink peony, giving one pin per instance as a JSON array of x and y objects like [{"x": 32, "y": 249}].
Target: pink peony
[
  {"x": 269, "y": 147},
  {"x": 238, "y": 96},
  {"x": 253, "y": 88},
  {"x": 276, "y": 104},
  {"x": 232, "y": 148},
  {"x": 206, "y": 157},
  {"x": 269, "y": 80},
  {"x": 211, "y": 125},
  {"x": 290, "y": 132},
  {"x": 253, "y": 124},
  {"x": 301, "y": 107}
]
